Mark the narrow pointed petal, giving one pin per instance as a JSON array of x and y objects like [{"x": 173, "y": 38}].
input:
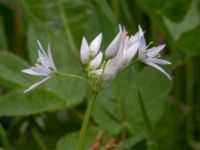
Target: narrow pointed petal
[
  {"x": 40, "y": 46},
  {"x": 95, "y": 63},
  {"x": 84, "y": 54},
  {"x": 152, "y": 52},
  {"x": 141, "y": 32},
  {"x": 44, "y": 59},
  {"x": 142, "y": 39},
  {"x": 50, "y": 56},
  {"x": 160, "y": 69},
  {"x": 161, "y": 61},
  {"x": 131, "y": 51},
  {"x": 37, "y": 84},
  {"x": 95, "y": 45},
  {"x": 113, "y": 47},
  {"x": 37, "y": 71}
]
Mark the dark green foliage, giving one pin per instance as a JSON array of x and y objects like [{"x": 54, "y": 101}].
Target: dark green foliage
[{"x": 50, "y": 116}]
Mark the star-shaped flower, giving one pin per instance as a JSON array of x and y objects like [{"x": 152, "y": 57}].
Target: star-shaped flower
[
  {"x": 44, "y": 67},
  {"x": 151, "y": 56}
]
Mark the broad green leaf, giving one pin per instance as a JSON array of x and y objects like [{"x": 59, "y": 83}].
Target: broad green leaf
[
  {"x": 17, "y": 103},
  {"x": 189, "y": 22},
  {"x": 189, "y": 40},
  {"x": 70, "y": 141},
  {"x": 119, "y": 103},
  {"x": 48, "y": 15},
  {"x": 167, "y": 8},
  {"x": 10, "y": 70}
]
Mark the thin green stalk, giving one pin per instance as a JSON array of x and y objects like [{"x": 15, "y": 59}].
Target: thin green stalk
[
  {"x": 189, "y": 97},
  {"x": 38, "y": 139},
  {"x": 86, "y": 121},
  {"x": 72, "y": 76},
  {"x": 151, "y": 140},
  {"x": 66, "y": 27},
  {"x": 3, "y": 138}
]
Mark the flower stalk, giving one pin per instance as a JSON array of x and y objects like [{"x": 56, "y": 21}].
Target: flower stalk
[
  {"x": 86, "y": 120},
  {"x": 72, "y": 76}
]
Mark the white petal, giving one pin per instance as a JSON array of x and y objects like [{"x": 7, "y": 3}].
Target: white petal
[
  {"x": 142, "y": 56},
  {"x": 131, "y": 51},
  {"x": 50, "y": 57},
  {"x": 37, "y": 71},
  {"x": 95, "y": 45},
  {"x": 36, "y": 84},
  {"x": 40, "y": 46},
  {"x": 95, "y": 63},
  {"x": 113, "y": 47},
  {"x": 141, "y": 32},
  {"x": 142, "y": 39},
  {"x": 161, "y": 61},
  {"x": 44, "y": 59},
  {"x": 84, "y": 54},
  {"x": 152, "y": 52},
  {"x": 159, "y": 68}
]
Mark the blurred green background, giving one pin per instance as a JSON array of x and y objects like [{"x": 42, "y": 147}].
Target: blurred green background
[{"x": 50, "y": 116}]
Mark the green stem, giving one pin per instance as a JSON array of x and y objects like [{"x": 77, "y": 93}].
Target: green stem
[
  {"x": 86, "y": 121},
  {"x": 3, "y": 138},
  {"x": 38, "y": 139},
  {"x": 189, "y": 97},
  {"x": 151, "y": 140},
  {"x": 72, "y": 76},
  {"x": 66, "y": 27}
]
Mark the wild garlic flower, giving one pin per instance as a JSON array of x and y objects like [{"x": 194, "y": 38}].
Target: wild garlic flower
[
  {"x": 44, "y": 67},
  {"x": 151, "y": 56},
  {"x": 90, "y": 51},
  {"x": 118, "y": 56}
]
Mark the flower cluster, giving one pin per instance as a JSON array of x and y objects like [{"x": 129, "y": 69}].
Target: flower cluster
[
  {"x": 118, "y": 55},
  {"x": 101, "y": 72}
]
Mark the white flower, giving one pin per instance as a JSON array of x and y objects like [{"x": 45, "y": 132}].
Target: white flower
[
  {"x": 96, "y": 62},
  {"x": 151, "y": 56},
  {"x": 90, "y": 51},
  {"x": 114, "y": 46},
  {"x": 44, "y": 67},
  {"x": 118, "y": 55}
]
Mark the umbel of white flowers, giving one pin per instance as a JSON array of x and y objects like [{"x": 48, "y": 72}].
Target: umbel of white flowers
[{"x": 118, "y": 55}]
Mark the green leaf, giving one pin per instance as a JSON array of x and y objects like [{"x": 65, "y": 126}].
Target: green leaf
[
  {"x": 167, "y": 8},
  {"x": 17, "y": 103},
  {"x": 119, "y": 104},
  {"x": 189, "y": 40},
  {"x": 10, "y": 70},
  {"x": 189, "y": 22},
  {"x": 69, "y": 141}
]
